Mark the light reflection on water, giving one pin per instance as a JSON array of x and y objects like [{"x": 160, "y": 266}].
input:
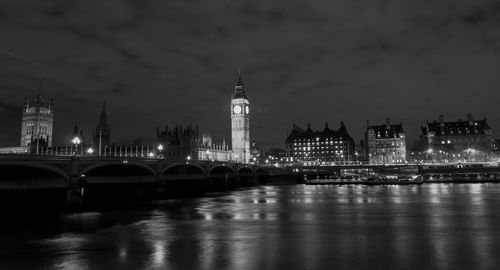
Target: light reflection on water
[{"x": 435, "y": 226}]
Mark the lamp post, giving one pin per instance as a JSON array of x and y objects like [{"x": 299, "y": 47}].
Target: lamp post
[
  {"x": 90, "y": 151},
  {"x": 76, "y": 141},
  {"x": 160, "y": 150}
]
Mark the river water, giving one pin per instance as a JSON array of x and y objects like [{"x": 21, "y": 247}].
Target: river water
[{"x": 432, "y": 226}]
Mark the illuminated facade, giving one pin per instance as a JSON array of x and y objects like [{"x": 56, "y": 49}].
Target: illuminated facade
[
  {"x": 188, "y": 143},
  {"x": 462, "y": 140},
  {"x": 386, "y": 143},
  {"x": 37, "y": 124},
  {"x": 240, "y": 124},
  {"x": 326, "y": 147}
]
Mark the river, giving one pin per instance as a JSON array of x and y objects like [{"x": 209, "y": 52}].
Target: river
[{"x": 431, "y": 226}]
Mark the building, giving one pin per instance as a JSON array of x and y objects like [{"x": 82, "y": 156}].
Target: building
[
  {"x": 386, "y": 143},
  {"x": 188, "y": 143},
  {"x": 459, "y": 141},
  {"x": 496, "y": 146},
  {"x": 275, "y": 156},
  {"x": 37, "y": 124},
  {"x": 240, "y": 123},
  {"x": 326, "y": 147},
  {"x": 101, "y": 137}
]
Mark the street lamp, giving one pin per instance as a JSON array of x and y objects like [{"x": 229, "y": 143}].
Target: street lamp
[
  {"x": 160, "y": 149},
  {"x": 90, "y": 151},
  {"x": 76, "y": 141}
]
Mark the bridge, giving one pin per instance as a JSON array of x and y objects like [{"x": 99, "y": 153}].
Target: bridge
[
  {"x": 83, "y": 177},
  {"x": 26, "y": 171}
]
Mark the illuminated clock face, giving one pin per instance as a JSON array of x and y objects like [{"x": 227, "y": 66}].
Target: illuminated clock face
[
  {"x": 247, "y": 109},
  {"x": 237, "y": 109}
]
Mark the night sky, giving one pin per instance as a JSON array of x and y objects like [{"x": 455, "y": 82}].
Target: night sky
[{"x": 167, "y": 62}]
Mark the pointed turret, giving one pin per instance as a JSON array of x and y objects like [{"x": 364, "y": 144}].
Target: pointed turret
[
  {"x": 26, "y": 103},
  {"x": 103, "y": 119},
  {"x": 239, "y": 89},
  {"x": 342, "y": 128},
  {"x": 102, "y": 136},
  {"x": 51, "y": 104},
  {"x": 75, "y": 131}
]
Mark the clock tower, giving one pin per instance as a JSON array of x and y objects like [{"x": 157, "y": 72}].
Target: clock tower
[{"x": 240, "y": 124}]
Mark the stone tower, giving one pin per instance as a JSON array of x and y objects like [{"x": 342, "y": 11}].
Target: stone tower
[
  {"x": 240, "y": 124},
  {"x": 101, "y": 136},
  {"x": 37, "y": 123}
]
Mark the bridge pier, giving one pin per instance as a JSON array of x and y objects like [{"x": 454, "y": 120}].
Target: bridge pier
[{"x": 74, "y": 200}]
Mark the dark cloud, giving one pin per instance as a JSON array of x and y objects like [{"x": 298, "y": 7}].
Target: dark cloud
[{"x": 317, "y": 60}]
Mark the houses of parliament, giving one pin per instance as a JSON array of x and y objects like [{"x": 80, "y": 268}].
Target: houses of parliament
[
  {"x": 190, "y": 143},
  {"x": 178, "y": 143}
]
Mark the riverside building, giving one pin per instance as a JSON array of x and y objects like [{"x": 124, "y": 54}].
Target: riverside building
[
  {"x": 325, "y": 147},
  {"x": 467, "y": 140},
  {"x": 386, "y": 143}
]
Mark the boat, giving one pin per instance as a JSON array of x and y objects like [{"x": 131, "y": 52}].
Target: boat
[{"x": 394, "y": 180}]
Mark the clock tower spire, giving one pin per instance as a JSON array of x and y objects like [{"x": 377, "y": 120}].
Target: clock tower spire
[{"x": 240, "y": 123}]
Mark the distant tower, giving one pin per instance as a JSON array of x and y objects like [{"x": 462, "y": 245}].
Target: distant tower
[
  {"x": 240, "y": 123},
  {"x": 102, "y": 134},
  {"x": 37, "y": 123}
]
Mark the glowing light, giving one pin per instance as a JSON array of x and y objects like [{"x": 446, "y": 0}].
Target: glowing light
[
  {"x": 90, "y": 151},
  {"x": 76, "y": 140}
]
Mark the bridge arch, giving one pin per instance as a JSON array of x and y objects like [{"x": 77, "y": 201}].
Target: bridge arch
[
  {"x": 118, "y": 169},
  {"x": 222, "y": 169},
  {"x": 53, "y": 176},
  {"x": 245, "y": 170},
  {"x": 183, "y": 168}
]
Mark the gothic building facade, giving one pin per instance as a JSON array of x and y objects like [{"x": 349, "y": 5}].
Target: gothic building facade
[
  {"x": 326, "y": 147},
  {"x": 240, "y": 124},
  {"x": 37, "y": 124},
  {"x": 189, "y": 143},
  {"x": 386, "y": 143}
]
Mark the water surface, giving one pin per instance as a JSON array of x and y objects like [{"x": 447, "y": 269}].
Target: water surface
[{"x": 433, "y": 226}]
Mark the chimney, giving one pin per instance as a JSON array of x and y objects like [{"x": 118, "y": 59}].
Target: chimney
[
  {"x": 441, "y": 119},
  {"x": 326, "y": 125},
  {"x": 388, "y": 122}
]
